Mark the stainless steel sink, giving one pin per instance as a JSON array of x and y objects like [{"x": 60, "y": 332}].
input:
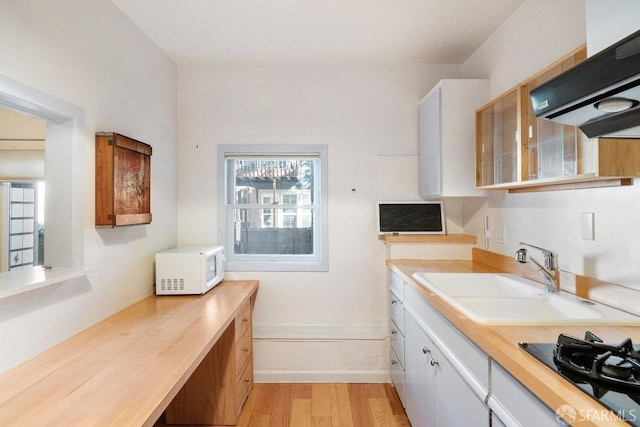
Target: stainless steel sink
[{"x": 507, "y": 299}]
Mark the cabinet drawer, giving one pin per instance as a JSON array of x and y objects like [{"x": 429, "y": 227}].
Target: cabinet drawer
[
  {"x": 243, "y": 319},
  {"x": 396, "y": 312},
  {"x": 397, "y": 342},
  {"x": 397, "y": 374},
  {"x": 244, "y": 384},
  {"x": 512, "y": 402},
  {"x": 396, "y": 285},
  {"x": 470, "y": 357},
  {"x": 243, "y": 349}
]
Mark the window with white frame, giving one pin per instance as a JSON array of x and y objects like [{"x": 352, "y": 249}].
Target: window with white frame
[{"x": 273, "y": 207}]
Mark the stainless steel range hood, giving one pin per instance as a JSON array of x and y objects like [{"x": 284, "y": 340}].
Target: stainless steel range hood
[{"x": 600, "y": 95}]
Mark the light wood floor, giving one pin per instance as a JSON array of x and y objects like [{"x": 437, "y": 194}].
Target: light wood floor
[{"x": 323, "y": 405}]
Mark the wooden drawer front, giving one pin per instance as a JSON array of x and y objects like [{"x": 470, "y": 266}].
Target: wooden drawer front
[
  {"x": 244, "y": 384},
  {"x": 243, "y": 319},
  {"x": 243, "y": 350},
  {"x": 396, "y": 311},
  {"x": 397, "y": 343}
]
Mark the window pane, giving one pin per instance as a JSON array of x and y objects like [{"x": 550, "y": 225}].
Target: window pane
[
  {"x": 273, "y": 181},
  {"x": 273, "y": 231}
]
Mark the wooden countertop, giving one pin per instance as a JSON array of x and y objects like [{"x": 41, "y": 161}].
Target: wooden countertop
[
  {"x": 124, "y": 370},
  {"x": 501, "y": 342}
]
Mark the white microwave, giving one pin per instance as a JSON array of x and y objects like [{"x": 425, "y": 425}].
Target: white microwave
[{"x": 189, "y": 269}]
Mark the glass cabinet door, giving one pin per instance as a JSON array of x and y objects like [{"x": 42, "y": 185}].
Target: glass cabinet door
[
  {"x": 550, "y": 149},
  {"x": 498, "y": 140}
]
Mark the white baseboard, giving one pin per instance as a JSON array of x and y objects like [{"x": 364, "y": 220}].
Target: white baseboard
[
  {"x": 323, "y": 353},
  {"x": 309, "y": 376},
  {"x": 315, "y": 332}
]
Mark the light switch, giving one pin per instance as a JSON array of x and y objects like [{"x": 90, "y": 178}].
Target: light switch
[{"x": 586, "y": 226}]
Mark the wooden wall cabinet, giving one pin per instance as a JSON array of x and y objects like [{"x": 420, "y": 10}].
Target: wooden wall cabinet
[
  {"x": 123, "y": 180},
  {"x": 497, "y": 141},
  {"x": 519, "y": 152}
]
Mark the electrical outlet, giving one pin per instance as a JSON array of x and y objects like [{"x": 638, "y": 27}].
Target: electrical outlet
[{"x": 501, "y": 234}]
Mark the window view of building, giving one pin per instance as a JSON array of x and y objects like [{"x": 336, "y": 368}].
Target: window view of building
[{"x": 273, "y": 207}]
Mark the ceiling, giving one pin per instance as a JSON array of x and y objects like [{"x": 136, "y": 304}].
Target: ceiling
[{"x": 204, "y": 32}]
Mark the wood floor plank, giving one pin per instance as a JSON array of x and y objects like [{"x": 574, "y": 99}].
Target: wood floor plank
[
  {"x": 323, "y": 421},
  {"x": 301, "y": 390},
  {"x": 321, "y": 400},
  {"x": 360, "y": 410},
  {"x": 323, "y": 405},
  {"x": 300, "y": 413},
  {"x": 341, "y": 407},
  {"x": 381, "y": 412},
  {"x": 393, "y": 399},
  {"x": 260, "y": 421}
]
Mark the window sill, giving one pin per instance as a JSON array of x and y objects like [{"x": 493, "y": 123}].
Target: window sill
[{"x": 20, "y": 281}]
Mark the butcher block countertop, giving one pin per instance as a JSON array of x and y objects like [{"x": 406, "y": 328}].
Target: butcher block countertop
[
  {"x": 500, "y": 343},
  {"x": 124, "y": 370}
]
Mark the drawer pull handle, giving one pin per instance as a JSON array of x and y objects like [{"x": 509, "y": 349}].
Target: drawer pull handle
[
  {"x": 245, "y": 320},
  {"x": 246, "y": 350},
  {"x": 393, "y": 332},
  {"x": 394, "y": 362},
  {"x": 394, "y": 301},
  {"x": 247, "y": 380}
]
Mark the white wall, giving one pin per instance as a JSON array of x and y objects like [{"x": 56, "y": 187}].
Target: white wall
[
  {"x": 85, "y": 52},
  {"x": 536, "y": 34},
  {"x": 308, "y": 326},
  {"x": 610, "y": 21}
]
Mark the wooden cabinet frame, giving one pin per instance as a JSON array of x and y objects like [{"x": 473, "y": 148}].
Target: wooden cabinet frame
[
  {"x": 598, "y": 162},
  {"x": 123, "y": 180}
]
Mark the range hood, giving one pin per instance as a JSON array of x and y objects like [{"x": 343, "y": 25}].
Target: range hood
[{"x": 600, "y": 95}]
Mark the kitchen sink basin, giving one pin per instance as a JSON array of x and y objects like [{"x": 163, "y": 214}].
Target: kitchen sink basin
[
  {"x": 479, "y": 284},
  {"x": 507, "y": 299}
]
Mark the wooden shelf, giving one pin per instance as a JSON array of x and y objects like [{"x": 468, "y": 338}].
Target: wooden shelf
[
  {"x": 589, "y": 180},
  {"x": 428, "y": 238}
]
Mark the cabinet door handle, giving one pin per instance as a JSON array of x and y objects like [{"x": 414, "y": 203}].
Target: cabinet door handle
[
  {"x": 394, "y": 301},
  {"x": 394, "y": 362},
  {"x": 393, "y": 332},
  {"x": 433, "y": 362},
  {"x": 425, "y": 350}
]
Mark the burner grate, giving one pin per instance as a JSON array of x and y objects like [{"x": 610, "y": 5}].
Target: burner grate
[{"x": 606, "y": 367}]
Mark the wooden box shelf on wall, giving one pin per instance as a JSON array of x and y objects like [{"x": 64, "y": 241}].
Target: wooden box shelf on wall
[
  {"x": 123, "y": 180},
  {"x": 518, "y": 152}
]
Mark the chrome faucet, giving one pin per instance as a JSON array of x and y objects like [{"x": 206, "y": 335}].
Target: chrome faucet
[{"x": 549, "y": 270}]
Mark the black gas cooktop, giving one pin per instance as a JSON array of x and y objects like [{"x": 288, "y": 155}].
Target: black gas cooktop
[{"x": 610, "y": 374}]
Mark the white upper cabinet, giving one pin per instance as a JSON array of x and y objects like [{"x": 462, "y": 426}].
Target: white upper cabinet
[{"x": 447, "y": 138}]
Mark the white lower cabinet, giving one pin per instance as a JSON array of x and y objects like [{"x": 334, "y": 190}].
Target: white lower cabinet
[
  {"x": 496, "y": 421},
  {"x": 396, "y": 333},
  {"x": 515, "y": 406},
  {"x": 443, "y": 379},
  {"x": 438, "y": 392},
  {"x": 418, "y": 376}
]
